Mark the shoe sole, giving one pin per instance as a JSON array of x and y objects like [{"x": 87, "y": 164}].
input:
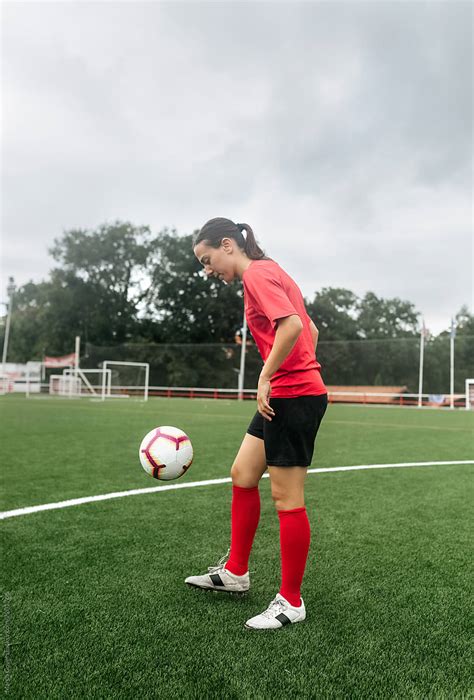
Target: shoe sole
[
  {"x": 216, "y": 590},
  {"x": 271, "y": 629}
]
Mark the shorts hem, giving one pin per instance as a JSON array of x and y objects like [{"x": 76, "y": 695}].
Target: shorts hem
[
  {"x": 292, "y": 464},
  {"x": 250, "y": 432}
]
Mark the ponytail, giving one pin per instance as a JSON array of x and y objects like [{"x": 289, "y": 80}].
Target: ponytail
[{"x": 216, "y": 229}]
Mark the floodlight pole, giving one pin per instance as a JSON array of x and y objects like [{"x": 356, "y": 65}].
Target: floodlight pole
[
  {"x": 451, "y": 362},
  {"x": 422, "y": 350},
  {"x": 10, "y": 291},
  {"x": 242, "y": 359}
]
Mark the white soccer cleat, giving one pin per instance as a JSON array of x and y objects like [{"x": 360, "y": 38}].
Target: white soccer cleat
[
  {"x": 278, "y": 614},
  {"x": 219, "y": 579}
]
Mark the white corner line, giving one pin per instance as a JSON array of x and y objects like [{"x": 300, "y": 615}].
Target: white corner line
[{"x": 209, "y": 482}]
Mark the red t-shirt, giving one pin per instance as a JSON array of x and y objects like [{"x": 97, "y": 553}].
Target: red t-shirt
[{"x": 270, "y": 294}]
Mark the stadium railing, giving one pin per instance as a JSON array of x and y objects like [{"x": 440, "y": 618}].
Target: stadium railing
[{"x": 335, "y": 395}]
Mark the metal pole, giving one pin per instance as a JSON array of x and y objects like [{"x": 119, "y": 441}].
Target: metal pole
[
  {"x": 104, "y": 379},
  {"x": 451, "y": 363},
  {"x": 76, "y": 355},
  {"x": 10, "y": 292},
  {"x": 422, "y": 350},
  {"x": 147, "y": 381},
  {"x": 242, "y": 359}
]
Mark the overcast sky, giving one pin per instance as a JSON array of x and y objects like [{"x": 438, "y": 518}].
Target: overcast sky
[{"x": 341, "y": 132}]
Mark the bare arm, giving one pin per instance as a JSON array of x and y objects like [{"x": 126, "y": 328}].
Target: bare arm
[
  {"x": 287, "y": 333},
  {"x": 314, "y": 334}
]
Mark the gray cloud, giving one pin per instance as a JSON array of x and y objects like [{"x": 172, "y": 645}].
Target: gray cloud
[{"x": 342, "y": 132}]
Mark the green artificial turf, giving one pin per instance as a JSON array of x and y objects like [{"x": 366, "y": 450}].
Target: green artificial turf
[{"x": 94, "y": 604}]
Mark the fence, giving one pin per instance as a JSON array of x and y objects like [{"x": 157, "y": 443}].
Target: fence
[{"x": 391, "y": 362}]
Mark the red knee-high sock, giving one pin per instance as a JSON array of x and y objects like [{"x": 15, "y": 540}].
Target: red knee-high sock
[
  {"x": 295, "y": 535},
  {"x": 245, "y": 517}
]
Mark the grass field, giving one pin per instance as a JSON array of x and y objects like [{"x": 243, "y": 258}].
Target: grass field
[{"x": 94, "y": 604}]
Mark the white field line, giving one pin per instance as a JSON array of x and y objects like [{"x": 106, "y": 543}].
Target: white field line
[{"x": 209, "y": 482}]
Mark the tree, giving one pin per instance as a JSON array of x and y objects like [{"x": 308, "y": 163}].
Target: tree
[
  {"x": 122, "y": 289},
  {"x": 334, "y": 311},
  {"x": 388, "y": 327},
  {"x": 438, "y": 353},
  {"x": 27, "y": 323},
  {"x": 95, "y": 292},
  {"x": 464, "y": 322},
  {"x": 187, "y": 307},
  {"x": 112, "y": 262},
  {"x": 386, "y": 318}
]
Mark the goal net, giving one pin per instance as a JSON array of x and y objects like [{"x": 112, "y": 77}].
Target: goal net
[
  {"x": 91, "y": 381},
  {"x": 64, "y": 385},
  {"x": 77, "y": 383},
  {"x": 125, "y": 380},
  {"x": 470, "y": 394},
  {"x": 6, "y": 385}
]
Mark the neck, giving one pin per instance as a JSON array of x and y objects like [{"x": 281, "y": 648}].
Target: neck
[{"x": 241, "y": 265}]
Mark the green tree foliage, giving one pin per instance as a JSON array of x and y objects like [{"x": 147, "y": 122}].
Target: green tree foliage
[
  {"x": 95, "y": 291},
  {"x": 120, "y": 286},
  {"x": 342, "y": 315},
  {"x": 334, "y": 310},
  {"x": 112, "y": 264},
  {"x": 386, "y": 318},
  {"x": 464, "y": 346},
  {"x": 29, "y": 306},
  {"x": 187, "y": 307},
  {"x": 47, "y": 315},
  {"x": 390, "y": 329},
  {"x": 464, "y": 322},
  {"x": 353, "y": 347},
  {"x": 438, "y": 351}
]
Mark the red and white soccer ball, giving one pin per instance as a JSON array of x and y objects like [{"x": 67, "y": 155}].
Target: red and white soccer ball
[{"x": 166, "y": 453}]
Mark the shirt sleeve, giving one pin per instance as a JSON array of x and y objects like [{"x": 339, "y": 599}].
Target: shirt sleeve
[{"x": 270, "y": 296}]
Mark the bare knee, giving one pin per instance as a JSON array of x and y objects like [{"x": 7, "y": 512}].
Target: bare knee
[
  {"x": 249, "y": 463},
  {"x": 246, "y": 478},
  {"x": 288, "y": 487},
  {"x": 287, "y": 501}
]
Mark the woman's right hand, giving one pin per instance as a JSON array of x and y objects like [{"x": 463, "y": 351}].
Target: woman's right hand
[{"x": 263, "y": 394}]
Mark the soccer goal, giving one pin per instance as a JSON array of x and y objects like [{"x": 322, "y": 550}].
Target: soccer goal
[
  {"x": 64, "y": 385},
  {"x": 469, "y": 394},
  {"x": 125, "y": 380},
  {"x": 6, "y": 385},
  {"x": 91, "y": 381}
]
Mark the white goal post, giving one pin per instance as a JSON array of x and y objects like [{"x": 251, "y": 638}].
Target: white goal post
[
  {"x": 91, "y": 381},
  {"x": 469, "y": 394},
  {"x": 114, "y": 365},
  {"x": 64, "y": 385}
]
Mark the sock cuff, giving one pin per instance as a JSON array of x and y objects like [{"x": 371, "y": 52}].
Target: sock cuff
[
  {"x": 292, "y": 511},
  {"x": 242, "y": 488}
]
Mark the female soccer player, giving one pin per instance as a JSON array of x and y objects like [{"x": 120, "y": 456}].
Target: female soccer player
[{"x": 291, "y": 401}]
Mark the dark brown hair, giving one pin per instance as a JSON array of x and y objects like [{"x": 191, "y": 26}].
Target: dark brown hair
[{"x": 216, "y": 229}]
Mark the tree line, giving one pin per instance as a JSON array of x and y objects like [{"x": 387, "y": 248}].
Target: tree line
[{"x": 121, "y": 284}]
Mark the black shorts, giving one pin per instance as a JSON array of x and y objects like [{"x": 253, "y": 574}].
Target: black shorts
[{"x": 289, "y": 437}]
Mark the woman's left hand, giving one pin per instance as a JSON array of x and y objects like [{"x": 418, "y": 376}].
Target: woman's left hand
[{"x": 263, "y": 394}]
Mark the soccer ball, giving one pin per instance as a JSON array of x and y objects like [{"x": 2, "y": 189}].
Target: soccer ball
[{"x": 166, "y": 453}]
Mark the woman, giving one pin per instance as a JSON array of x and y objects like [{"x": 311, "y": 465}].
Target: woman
[{"x": 291, "y": 401}]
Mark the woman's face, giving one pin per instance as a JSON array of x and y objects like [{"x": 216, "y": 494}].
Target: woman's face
[{"x": 217, "y": 262}]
